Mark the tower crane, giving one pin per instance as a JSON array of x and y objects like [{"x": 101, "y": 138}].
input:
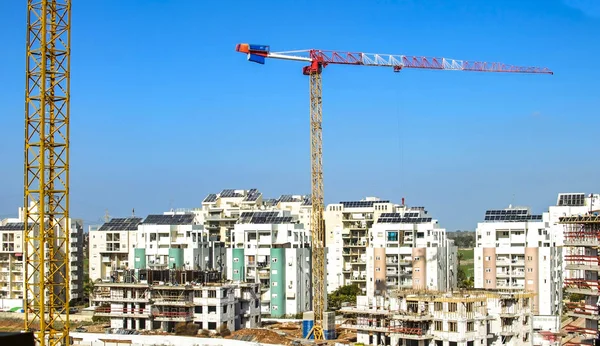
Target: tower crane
[
  {"x": 318, "y": 59},
  {"x": 46, "y": 176}
]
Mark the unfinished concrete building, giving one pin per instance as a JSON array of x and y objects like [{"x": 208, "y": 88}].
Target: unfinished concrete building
[
  {"x": 582, "y": 238},
  {"x": 421, "y": 318},
  {"x": 212, "y": 306}
]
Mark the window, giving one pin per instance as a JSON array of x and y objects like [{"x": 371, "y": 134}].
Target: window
[
  {"x": 236, "y": 260},
  {"x": 487, "y": 258},
  {"x": 377, "y": 269},
  {"x": 452, "y": 307},
  {"x": 274, "y": 307},
  {"x": 470, "y": 326},
  {"x": 377, "y": 258},
  {"x": 529, "y": 270},
  {"x": 438, "y": 306},
  {"x": 235, "y": 271},
  {"x": 439, "y": 326},
  {"x": 529, "y": 258},
  {"x": 452, "y": 326},
  {"x": 488, "y": 270},
  {"x": 274, "y": 284},
  {"x": 469, "y": 307},
  {"x": 274, "y": 260}
]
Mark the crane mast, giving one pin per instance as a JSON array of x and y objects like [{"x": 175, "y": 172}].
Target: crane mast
[
  {"x": 319, "y": 59},
  {"x": 317, "y": 220},
  {"x": 46, "y": 171}
]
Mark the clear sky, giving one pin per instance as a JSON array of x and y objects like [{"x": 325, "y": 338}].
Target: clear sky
[{"x": 165, "y": 111}]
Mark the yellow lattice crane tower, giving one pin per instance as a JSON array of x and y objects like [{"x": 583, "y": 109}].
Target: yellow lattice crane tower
[
  {"x": 318, "y": 59},
  {"x": 46, "y": 201}
]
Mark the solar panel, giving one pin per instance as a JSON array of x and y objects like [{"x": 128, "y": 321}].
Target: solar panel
[
  {"x": 286, "y": 198},
  {"x": 230, "y": 193},
  {"x": 404, "y": 220},
  {"x": 252, "y": 196},
  {"x": 510, "y": 217},
  {"x": 210, "y": 198},
  {"x": 361, "y": 204},
  {"x": 573, "y": 200},
  {"x": 121, "y": 224},
  {"x": 178, "y": 219},
  {"x": 264, "y": 217},
  {"x": 307, "y": 201},
  {"x": 13, "y": 226}
]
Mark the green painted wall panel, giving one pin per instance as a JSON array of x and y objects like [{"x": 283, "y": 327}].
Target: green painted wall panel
[
  {"x": 237, "y": 264},
  {"x": 277, "y": 282}
]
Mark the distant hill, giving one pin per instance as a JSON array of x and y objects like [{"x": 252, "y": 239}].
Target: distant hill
[{"x": 463, "y": 239}]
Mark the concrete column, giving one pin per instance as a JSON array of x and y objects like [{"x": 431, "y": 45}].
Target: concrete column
[{"x": 137, "y": 324}]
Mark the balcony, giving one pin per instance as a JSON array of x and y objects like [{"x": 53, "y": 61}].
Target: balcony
[{"x": 582, "y": 286}]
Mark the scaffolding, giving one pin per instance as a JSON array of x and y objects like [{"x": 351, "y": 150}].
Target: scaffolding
[{"x": 582, "y": 239}]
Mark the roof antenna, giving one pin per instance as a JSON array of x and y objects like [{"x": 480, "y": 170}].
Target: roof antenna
[
  {"x": 106, "y": 216},
  {"x": 132, "y": 212}
]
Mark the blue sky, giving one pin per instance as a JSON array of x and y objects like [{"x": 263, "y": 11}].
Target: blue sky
[{"x": 165, "y": 111}]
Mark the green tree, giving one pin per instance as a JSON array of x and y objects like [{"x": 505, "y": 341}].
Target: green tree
[{"x": 344, "y": 294}]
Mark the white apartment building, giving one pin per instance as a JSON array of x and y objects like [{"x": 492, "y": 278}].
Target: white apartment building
[
  {"x": 220, "y": 211},
  {"x": 173, "y": 240},
  {"x": 270, "y": 248},
  {"x": 415, "y": 318},
  {"x": 347, "y": 226},
  {"x": 376, "y": 244},
  {"x": 409, "y": 250},
  {"x": 12, "y": 250},
  {"x": 110, "y": 246},
  {"x": 515, "y": 250}
]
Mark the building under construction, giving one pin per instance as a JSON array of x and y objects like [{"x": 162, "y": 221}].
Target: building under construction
[
  {"x": 158, "y": 300},
  {"x": 582, "y": 238},
  {"x": 423, "y": 318}
]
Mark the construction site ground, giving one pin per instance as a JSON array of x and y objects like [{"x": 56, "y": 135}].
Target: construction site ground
[{"x": 286, "y": 333}]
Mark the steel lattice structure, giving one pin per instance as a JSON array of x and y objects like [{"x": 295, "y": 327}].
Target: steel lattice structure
[
  {"x": 46, "y": 199},
  {"x": 317, "y": 220},
  {"x": 318, "y": 59}
]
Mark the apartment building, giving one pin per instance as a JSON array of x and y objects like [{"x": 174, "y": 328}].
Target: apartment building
[
  {"x": 110, "y": 246},
  {"x": 177, "y": 240},
  {"x": 12, "y": 250},
  {"x": 270, "y": 248},
  {"x": 409, "y": 250},
  {"x": 378, "y": 245},
  {"x": 221, "y": 211},
  {"x": 515, "y": 250},
  {"x": 347, "y": 226},
  {"x": 421, "y": 318},
  {"x": 212, "y": 306},
  {"x": 173, "y": 240}
]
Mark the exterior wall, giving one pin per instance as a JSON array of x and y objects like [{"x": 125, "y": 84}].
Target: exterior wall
[
  {"x": 489, "y": 266},
  {"x": 419, "y": 268},
  {"x": 278, "y": 282},
  {"x": 380, "y": 270},
  {"x": 532, "y": 283},
  {"x": 238, "y": 265}
]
